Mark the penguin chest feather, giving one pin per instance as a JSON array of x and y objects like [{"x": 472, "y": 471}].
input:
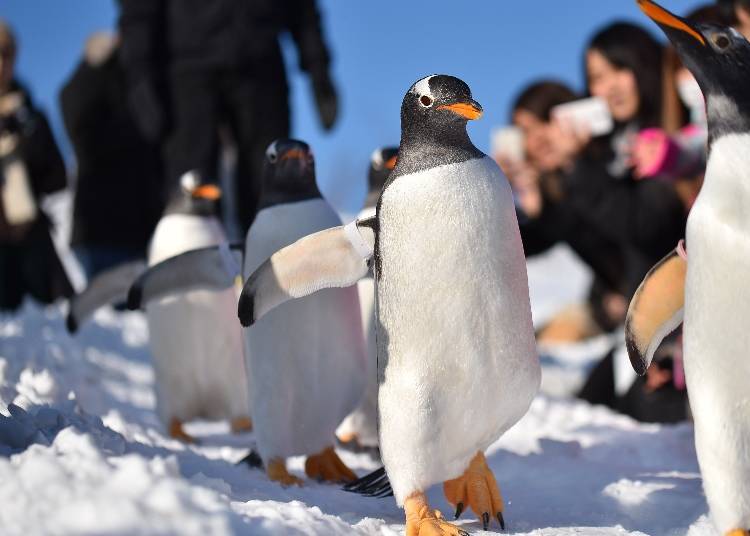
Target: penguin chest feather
[
  {"x": 456, "y": 353},
  {"x": 716, "y": 334}
]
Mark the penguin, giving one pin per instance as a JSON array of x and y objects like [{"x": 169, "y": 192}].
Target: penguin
[
  {"x": 359, "y": 430},
  {"x": 197, "y": 349},
  {"x": 707, "y": 288},
  {"x": 307, "y": 356},
  {"x": 457, "y": 362}
]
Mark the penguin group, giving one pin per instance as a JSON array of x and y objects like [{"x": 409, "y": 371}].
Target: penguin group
[{"x": 408, "y": 330}]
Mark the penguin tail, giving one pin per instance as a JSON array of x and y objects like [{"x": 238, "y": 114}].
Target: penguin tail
[{"x": 375, "y": 484}]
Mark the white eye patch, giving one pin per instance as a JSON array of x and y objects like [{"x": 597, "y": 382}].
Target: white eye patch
[
  {"x": 422, "y": 88},
  {"x": 189, "y": 181},
  {"x": 377, "y": 159},
  {"x": 271, "y": 152}
]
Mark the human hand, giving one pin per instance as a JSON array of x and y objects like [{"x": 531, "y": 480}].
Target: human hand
[
  {"x": 326, "y": 99},
  {"x": 567, "y": 139}
]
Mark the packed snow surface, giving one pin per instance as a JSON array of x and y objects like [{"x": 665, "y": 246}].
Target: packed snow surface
[{"x": 82, "y": 452}]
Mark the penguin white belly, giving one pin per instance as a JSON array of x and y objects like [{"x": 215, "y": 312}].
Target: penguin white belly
[
  {"x": 195, "y": 338},
  {"x": 457, "y": 358},
  {"x": 307, "y": 355},
  {"x": 716, "y": 333}
]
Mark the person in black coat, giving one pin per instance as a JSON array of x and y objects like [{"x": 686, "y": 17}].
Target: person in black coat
[
  {"x": 194, "y": 66},
  {"x": 119, "y": 187},
  {"x": 30, "y": 167}
]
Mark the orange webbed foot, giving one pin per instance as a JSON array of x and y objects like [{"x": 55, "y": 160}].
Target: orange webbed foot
[
  {"x": 478, "y": 489},
  {"x": 327, "y": 466},
  {"x": 178, "y": 432},
  {"x": 241, "y": 425},
  {"x": 422, "y": 521},
  {"x": 276, "y": 471}
]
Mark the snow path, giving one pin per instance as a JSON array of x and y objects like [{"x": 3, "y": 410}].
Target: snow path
[{"x": 82, "y": 452}]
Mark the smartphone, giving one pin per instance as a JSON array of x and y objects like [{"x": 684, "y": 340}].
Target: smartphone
[
  {"x": 507, "y": 142},
  {"x": 591, "y": 114}
]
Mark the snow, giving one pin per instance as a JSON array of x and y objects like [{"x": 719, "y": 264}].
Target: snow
[{"x": 82, "y": 450}]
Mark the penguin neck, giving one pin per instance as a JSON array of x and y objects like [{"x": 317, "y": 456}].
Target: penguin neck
[
  {"x": 726, "y": 116},
  {"x": 188, "y": 205},
  {"x": 275, "y": 195},
  {"x": 425, "y": 146}
]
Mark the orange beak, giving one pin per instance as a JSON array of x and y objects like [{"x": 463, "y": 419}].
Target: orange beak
[
  {"x": 210, "y": 192},
  {"x": 295, "y": 153},
  {"x": 469, "y": 110},
  {"x": 663, "y": 17},
  {"x": 391, "y": 163}
]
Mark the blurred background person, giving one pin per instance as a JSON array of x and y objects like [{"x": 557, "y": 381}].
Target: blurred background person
[
  {"x": 736, "y": 13},
  {"x": 194, "y": 66},
  {"x": 545, "y": 219},
  {"x": 31, "y": 167},
  {"x": 119, "y": 187}
]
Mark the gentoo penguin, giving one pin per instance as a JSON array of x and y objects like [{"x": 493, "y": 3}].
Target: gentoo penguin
[
  {"x": 360, "y": 428},
  {"x": 710, "y": 289},
  {"x": 457, "y": 364},
  {"x": 197, "y": 348},
  {"x": 307, "y": 356}
]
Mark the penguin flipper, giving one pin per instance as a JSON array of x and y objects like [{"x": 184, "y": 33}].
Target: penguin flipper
[
  {"x": 109, "y": 287},
  {"x": 336, "y": 257},
  {"x": 211, "y": 268},
  {"x": 656, "y": 309}
]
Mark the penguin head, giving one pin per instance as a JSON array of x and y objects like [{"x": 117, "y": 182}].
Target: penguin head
[
  {"x": 194, "y": 195},
  {"x": 719, "y": 59},
  {"x": 382, "y": 162},
  {"x": 438, "y": 103},
  {"x": 288, "y": 172}
]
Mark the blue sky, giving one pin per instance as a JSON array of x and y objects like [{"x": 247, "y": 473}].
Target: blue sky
[{"x": 379, "y": 48}]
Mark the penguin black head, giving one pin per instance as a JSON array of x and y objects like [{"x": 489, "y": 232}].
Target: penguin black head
[
  {"x": 382, "y": 162},
  {"x": 719, "y": 59},
  {"x": 288, "y": 173},
  {"x": 194, "y": 195},
  {"x": 434, "y": 114}
]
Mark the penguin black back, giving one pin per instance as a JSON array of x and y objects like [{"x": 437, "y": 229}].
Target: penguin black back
[
  {"x": 288, "y": 174},
  {"x": 194, "y": 196},
  {"x": 434, "y": 114}
]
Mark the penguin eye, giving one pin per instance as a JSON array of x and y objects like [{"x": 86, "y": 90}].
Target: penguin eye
[
  {"x": 272, "y": 157},
  {"x": 425, "y": 101},
  {"x": 721, "y": 41}
]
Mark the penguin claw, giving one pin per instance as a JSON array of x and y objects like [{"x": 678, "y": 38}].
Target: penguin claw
[
  {"x": 477, "y": 487},
  {"x": 422, "y": 521}
]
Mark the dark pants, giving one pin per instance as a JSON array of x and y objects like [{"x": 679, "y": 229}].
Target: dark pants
[
  {"x": 30, "y": 266},
  {"x": 255, "y": 112}
]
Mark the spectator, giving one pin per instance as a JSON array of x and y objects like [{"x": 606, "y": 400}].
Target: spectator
[
  {"x": 31, "y": 167},
  {"x": 644, "y": 218},
  {"x": 539, "y": 187},
  {"x": 193, "y": 66},
  {"x": 119, "y": 191}
]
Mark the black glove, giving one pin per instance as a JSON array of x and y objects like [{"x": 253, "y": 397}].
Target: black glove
[
  {"x": 148, "y": 110},
  {"x": 325, "y": 98}
]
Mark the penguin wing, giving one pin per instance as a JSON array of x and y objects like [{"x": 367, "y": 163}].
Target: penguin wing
[
  {"x": 656, "y": 309},
  {"x": 110, "y": 286},
  {"x": 211, "y": 268},
  {"x": 336, "y": 257}
]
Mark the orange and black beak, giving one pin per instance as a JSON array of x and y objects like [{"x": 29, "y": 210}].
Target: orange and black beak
[
  {"x": 302, "y": 157},
  {"x": 469, "y": 110},
  {"x": 391, "y": 162},
  {"x": 672, "y": 25},
  {"x": 209, "y": 192}
]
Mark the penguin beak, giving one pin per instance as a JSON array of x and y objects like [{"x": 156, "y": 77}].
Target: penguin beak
[
  {"x": 302, "y": 156},
  {"x": 470, "y": 110},
  {"x": 670, "y": 22},
  {"x": 210, "y": 192},
  {"x": 391, "y": 163}
]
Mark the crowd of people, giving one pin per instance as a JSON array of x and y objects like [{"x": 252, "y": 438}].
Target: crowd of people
[
  {"x": 619, "y": 201},
  {"x": 179, "y": 82}
]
